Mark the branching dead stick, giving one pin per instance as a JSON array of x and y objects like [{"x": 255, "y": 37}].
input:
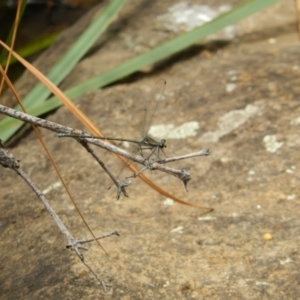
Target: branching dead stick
[
  {"x": 183, "y": 175},
  {"x": 7, "y": 160},
  {"x": 119, "y": 184},
  {"x": 203, "y": 152},
  {"x": 81, "y": 137},
  {"x": 64, "y": 129},
  {"x": 35, "y": 120}
]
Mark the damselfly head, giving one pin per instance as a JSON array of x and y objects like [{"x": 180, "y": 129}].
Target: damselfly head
[{"x": 163, "y": 143}]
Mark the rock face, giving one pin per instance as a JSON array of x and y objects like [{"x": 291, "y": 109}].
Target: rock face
[{"x": 243, "y": 97}]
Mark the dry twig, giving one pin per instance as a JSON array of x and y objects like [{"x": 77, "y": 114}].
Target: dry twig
[
  {"x": 84, "y": 140},
  {"x": 7, "y": 160}
]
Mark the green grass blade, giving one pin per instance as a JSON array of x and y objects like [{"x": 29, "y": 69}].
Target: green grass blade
[
  {"x": 33, "y": 47},
  {"x": 66, "y": 64}
]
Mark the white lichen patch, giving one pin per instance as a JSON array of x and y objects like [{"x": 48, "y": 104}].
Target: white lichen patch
[
  {"x": 251, "y": 173},
  {"x": 271, "y": 144},
  {"x": 230, "y": 122},
  {"x": 168, "y": 202},
  {"x": 169, "y": 131},
  {"x": 291, "y": 197},
  {"x": 207, "y": 218},
  {"x": 291, "y": 170},
  {"x": 185, "y": 16},
  {"x": 178, "y": 229},
  {"x": 52, "y": 187},
  {"x": 285, "y": 261},
  {"x": 230, "y": 87},
  {"x": 261, "y": 283},
  {"x": 295, "y": 121}
]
